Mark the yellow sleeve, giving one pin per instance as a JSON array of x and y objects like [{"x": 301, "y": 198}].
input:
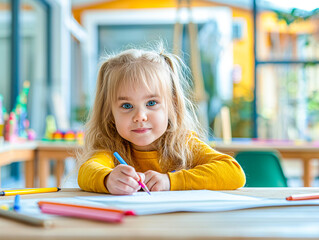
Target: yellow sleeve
[
  {"x": 93, "y": 172},
  {"x": 211, "y": 170}
]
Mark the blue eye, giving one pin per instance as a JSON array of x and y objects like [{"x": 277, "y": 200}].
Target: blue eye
[
  {"x": 127, "y": 106},
  {"x": 151, "y": 103}
]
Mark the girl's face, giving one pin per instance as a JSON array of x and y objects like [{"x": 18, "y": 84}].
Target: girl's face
[{"x": 141, "y": 116}]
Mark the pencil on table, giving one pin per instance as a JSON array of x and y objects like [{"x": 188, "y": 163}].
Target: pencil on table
[
  {"x": 86, "y": 213},
  {"x": 26, "y": 218},
  {"x": 297, "y": 197},
  {"x": 28, "y": 191},
  {"x": 79, "y": 207}
]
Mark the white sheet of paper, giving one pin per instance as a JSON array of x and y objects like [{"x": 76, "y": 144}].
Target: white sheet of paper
[
  {"x": 170, "y": 197},
  {"x": 188, "y": 201},
  {"x": 211, "y": 206},
  {"x": 165, "y": 202}
]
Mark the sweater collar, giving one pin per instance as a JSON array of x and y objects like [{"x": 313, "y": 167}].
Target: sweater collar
[{"x": 144, "y": 154}]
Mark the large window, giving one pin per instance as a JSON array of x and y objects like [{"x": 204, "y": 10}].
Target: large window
[
  {"x": 23, "y": 57},
  {"x": 288, "y": 101},
  {"x": 5, "y": 65},
  {"x": 287, "y": 72},
  {"x": 33, "y": 60},
  {"x": 78, "y": 95},
  {"x": 5, "y": 51}
]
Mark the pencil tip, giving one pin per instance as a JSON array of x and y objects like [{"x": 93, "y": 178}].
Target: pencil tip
[{"x": 59, "y": 189}]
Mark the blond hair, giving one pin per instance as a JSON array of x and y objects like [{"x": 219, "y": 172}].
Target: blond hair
[{"x": 171, "y": 78}]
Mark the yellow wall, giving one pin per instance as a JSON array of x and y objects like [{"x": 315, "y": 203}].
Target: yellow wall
[
  {"x": 243, "y": 49},
  {"x": 136, "y": 4},
  {"x": 7, "y": 6},
  {"x": 269, "y": 23},
  {"x": 244, "y": 56}
]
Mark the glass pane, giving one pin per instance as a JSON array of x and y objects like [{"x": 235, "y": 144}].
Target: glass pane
[
  {"x": 288, "y": 102},
  {"x": 5, "y": 51},
  {"x": 119, "y": 37},
  {"x": 78, "y": 94},
  {"x": 33, "y": 56},
  {"x": 287, "y": 33},
  {"x": 5, "y": 66}
]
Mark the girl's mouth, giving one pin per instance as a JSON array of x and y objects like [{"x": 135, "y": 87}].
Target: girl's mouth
[{"x": 141, "y": 130}]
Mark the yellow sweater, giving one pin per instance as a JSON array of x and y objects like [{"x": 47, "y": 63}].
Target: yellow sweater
[{"x": 212, "y": 170}]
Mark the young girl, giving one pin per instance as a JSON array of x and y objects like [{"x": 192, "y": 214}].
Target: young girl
[{"x": 141, "y": 111}]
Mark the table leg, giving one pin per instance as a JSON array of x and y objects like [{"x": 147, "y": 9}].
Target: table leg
[
  {"x": 43, "y": 170},
  {"x": 307, "y": 178},
  {"x": 29, "y": 173},
  {"x": 59, "y": 171}
]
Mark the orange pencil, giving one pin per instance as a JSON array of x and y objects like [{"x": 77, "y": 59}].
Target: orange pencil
[
  {"x": 125, "y": 212},
  {"x": 303, "y": 197}
]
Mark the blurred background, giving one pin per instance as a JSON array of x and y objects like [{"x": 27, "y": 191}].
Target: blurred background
[{"x": 257, "y": 58}]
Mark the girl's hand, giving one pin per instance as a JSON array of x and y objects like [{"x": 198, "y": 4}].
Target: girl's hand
[
  {"x": 156, "y": 181},
  {"x": 123, "y": 180}
]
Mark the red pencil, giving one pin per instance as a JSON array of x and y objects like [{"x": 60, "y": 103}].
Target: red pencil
[
  {"x": 125, "y": 212},
  {"x": 303, "y": 197},
  {"x": 85, "y": 213}
]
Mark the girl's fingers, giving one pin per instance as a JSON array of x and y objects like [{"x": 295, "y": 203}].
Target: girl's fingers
[
  {"x": 123, "y": 188},
  {"x": 148, "y": 175},
  {"x": 141, "y": 176},
  {"x": 129, "y": 171},
  {"x": 126, "y": 179},
  {"x": 151, "y": 183},
  {"x": 129, "y": 181}
]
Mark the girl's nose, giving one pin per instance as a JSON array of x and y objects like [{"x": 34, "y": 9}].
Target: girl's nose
[{"x": 140, "y": 116}]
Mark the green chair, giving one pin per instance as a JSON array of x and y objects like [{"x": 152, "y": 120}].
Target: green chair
[{"x": 262, "y": 168}]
